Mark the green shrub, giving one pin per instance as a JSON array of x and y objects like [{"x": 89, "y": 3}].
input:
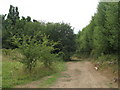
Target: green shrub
[
  {"x": 13, "y": 72},
  {"x": 108, "y": 58},
  {"x": 33, "y": 50},
  {"x": 6, "y": 52}
]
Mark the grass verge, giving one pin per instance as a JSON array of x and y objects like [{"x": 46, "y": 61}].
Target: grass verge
[
  {"x": 107, "y": 61},
  {"x": 13, "y": 73}
]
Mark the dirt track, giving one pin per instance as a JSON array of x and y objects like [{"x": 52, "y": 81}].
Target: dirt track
[
  {"x": 79, "y": 74},
  {"x": 82, "y": 75}
]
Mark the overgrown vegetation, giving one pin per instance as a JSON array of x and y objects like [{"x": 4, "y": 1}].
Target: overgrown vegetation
[
  {"x": 32, "y": 51},
  {"x": 34, "y": 44},
  {"x": 14, "y": 73},
  {"x": 57, "y": 32},
  {"x": 37, "y": 49}
]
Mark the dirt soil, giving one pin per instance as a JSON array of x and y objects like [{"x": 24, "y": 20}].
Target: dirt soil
[
  {"x": 79, "y": 74},
  {"x": 83, "y": 75}
]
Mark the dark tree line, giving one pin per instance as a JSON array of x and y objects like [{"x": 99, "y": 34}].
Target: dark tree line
[
  {"x": 100, "y": 37},
  {"x": 58, "y": 32}
]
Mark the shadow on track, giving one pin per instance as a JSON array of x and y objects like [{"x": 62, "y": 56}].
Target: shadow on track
[{"x": 74, "y": 60}]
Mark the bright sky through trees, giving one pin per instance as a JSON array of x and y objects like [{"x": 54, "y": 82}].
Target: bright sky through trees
[{"x": 76, "y": 12}]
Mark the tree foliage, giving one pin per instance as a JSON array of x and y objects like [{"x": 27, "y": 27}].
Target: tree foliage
[
  {"x": 57, "y": 32},
  {"x": 32, "y": 50},
  {"x": 101, "y": 35}
]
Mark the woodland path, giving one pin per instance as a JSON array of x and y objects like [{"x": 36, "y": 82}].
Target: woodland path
[
  {"x": 79, "y": 74},
  {"x": 82, "y": 75}
]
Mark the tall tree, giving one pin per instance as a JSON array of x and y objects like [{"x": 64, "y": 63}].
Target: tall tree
[
  {"x": 111, "y": 25},
  {"x": 101, "y": 35},
  {"x": 13, "y": 14}
]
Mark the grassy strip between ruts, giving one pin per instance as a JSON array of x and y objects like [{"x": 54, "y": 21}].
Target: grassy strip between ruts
[
  {"x": 51, "y": 80},
  {"x": 13, "y": 73}
]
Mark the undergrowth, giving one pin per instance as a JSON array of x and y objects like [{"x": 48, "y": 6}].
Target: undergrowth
[{"x": 14, "y": 73}]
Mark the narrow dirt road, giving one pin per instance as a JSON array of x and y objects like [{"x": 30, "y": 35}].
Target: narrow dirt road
[{"x": 82, "y": 75}]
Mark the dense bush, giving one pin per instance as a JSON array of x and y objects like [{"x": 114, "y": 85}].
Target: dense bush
[{"x": 32, "y": 50}]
